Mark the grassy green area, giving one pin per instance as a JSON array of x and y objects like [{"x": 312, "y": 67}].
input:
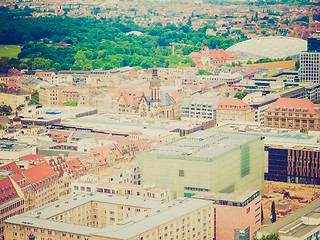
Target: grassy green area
[{"x": 10, "y": 51}]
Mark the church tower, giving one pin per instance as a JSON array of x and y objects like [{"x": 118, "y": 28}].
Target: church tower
[{"x": 155, "y": 84}]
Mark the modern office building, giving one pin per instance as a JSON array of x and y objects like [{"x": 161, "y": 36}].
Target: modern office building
[
  {"x": 314, "y": 42},
  {"x": 294, "y": 164},
  {"x": 102, "y": 217},
  {"x": 310, "y": 61},
  {"x": 205, "y": 161},
  {"x": 300, "y": 225},
  {"x": 237, "y": 215}
]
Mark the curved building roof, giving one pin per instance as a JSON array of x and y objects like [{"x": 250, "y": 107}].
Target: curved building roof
[{"x": 271, "y": 47}]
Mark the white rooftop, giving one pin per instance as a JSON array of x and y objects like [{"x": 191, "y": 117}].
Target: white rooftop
[{"x": 271, "y": 47}]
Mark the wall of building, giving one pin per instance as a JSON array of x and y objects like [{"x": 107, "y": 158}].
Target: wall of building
[
  {"x": 231, "y": 220},
  {"x": 238, "y": 168}
]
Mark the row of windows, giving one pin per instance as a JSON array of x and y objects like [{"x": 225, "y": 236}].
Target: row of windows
[{"x": 197, "y": 189}]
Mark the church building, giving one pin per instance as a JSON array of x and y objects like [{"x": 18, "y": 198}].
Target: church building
[{"x": 151, "y": 103}]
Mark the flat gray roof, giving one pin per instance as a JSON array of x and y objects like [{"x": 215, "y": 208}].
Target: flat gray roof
[
  {"x": 128, "y": 228},
  {"x": 156, "y": 217},
  {"x": 238, "y": 196},
  {"x": 77, "y": 200},
  {"x": 205, "y": 145}
]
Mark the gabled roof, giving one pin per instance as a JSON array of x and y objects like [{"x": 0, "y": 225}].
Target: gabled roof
[
  {"x": 11, "y": 167},
  {"x": 32, "y": 157},
  {"x": 39, "y": 173},
  {"x": 73, "y": 164},
  {"x": 21, "y": 180},
  {"x": 7, "y": 190},
  {"x": 13, "y": 85},
  {"x": 294, "y": 105}
]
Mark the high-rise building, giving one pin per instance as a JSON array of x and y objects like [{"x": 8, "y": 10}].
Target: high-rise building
[
  {"x": 310, "y": 60},
  {"x": 205, "y": 161},
  {"x": 314, "y": 42}
]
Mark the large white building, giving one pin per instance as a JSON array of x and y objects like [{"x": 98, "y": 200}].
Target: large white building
[
  {"x": 201, "y": 106},
  {"x": 205, "y": 161}
]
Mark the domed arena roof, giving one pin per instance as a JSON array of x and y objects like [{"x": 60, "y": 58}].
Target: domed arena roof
[{"x": 271, "y": 47}]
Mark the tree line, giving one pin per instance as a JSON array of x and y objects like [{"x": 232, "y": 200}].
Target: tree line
[{"x": 95, "y": 43}]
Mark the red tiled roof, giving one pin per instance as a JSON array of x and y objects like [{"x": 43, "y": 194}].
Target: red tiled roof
[
  {"x": 16, "y": 71},
  {"x": 72, "y": 164},
  {"x": 39, "y": 74},
  {"x": 12, "y": 167},
  {"x": 32, "y": 157},
  {"x": 7, "y": 190},
  {"x": 215, "y": 55},
  {"x": 21, "y": 180},
  {"x": 70, "y": 89},
  {"x": 40, "y": 172},
  {"x": 232, "y": 104},
  {"x": 12, "y": 85},
  {"x": 293, "y": 105}
]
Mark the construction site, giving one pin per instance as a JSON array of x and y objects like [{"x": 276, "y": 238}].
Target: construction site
[{"x": 287, "y": 197}]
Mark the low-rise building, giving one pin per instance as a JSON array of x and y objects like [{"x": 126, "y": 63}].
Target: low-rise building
[
  {"x": 201, "y": 106},
  {"x": 233, "y": 109},
  {"x": 293, "y": 113}
]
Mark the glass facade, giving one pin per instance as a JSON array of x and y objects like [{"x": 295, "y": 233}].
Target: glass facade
[
  {"x": 277, "y": 164},
  {"x": 240, "y": 234}
]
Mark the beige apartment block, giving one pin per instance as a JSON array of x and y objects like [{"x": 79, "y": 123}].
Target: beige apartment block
[
  {"x": 233, "y": 109},
  {"x": 14, "y": 99},
  {"x": 50, "y": 96},
  {"x": 101, "y": 217}
]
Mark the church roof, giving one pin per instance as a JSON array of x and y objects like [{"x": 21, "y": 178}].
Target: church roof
[{"x": 166, "y": 99}]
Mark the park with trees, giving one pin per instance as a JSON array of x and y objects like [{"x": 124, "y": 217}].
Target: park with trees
[{"x": 99, "y": 43}]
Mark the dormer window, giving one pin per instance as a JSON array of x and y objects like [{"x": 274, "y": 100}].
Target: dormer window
[
  {"x": 284, "y": 109},
  {"x": 291, "y": 109},
  {"x": 277, "y": 108},
  {"x": 305, "y": 110},
  {"x": 298, "y": 109}
]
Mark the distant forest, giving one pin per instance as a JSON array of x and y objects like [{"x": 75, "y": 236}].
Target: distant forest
[
  {"x": 98, "y": 43},
  {"x": 262, "y": 2}
]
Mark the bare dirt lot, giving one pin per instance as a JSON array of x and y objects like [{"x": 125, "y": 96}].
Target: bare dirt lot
[{"x": 299, "y": 196}]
